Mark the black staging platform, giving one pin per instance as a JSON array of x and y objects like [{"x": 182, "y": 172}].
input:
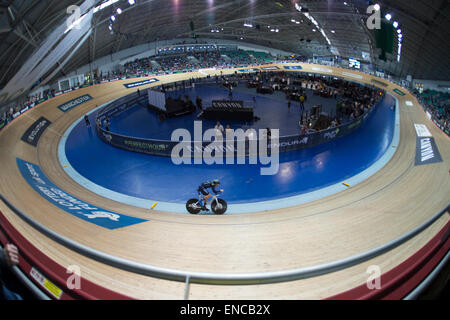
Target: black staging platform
[{"x": 228, "y": 110}]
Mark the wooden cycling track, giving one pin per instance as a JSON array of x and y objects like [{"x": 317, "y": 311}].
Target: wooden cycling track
[{"x": 394, "y": 201}]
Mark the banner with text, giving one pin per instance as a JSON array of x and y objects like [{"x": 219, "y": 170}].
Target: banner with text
[{"x": 80, "y": 209}]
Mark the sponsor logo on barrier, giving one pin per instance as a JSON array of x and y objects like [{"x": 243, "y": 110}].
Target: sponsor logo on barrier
[
  {"x": 285, "y": 144},
  {"x": 270, "y": 68},
  {"x": 45, "y": 283},
  {"x": 248, "y": 70},
  {"x": 140, "y": 83},
  {"x": 146, "y": 146},
  {"x": 293, "y": 67},
  {"x": 2, "y": 124},
  {"x": 15, "y": 115},
  {"x": 331, "y": 135},
  {"x": 401, "y": 93},
  {"x": 80, "y": 209},
  {"x": 427, "y": 152},
  {"x": 74, "y": 103},
  {"x": 34, "y": 133}
]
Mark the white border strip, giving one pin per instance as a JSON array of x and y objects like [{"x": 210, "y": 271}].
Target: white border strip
[{"x": 232, "y": 208}]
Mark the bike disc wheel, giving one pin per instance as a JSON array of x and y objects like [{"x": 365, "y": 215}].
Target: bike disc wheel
[
  {"x": 219, "y": 207},
  {"x": 192, "y": 206}
]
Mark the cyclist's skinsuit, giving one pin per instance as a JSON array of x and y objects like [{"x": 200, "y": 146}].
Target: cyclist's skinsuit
[{"x": 203, "y": 188}]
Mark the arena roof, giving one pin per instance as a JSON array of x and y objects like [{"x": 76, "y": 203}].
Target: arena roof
[{"x": 321, "y": 27}]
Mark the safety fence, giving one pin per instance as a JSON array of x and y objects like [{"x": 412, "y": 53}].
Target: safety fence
[{"x": 239, "y": 145}]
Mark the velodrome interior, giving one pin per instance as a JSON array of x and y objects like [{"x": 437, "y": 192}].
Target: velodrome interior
[{"x": 286, "y": 253}]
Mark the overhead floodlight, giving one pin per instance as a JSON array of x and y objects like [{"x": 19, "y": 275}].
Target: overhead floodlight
[
  {"x": 131, "y": 2},
  {"x": 104, "y": 5},
  {"x": 113, "y": 18},
  {"x": 119, "y": 11},
  {"x": 377, "y": 7},
  {"x": 395, "y": 24},
  {"x": 332, "y": 31},
  {"x": 388, "y": 17},
  {"x": 399, "y": 31}
]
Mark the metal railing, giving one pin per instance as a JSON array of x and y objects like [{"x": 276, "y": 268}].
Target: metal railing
[{"x": 163, "y": 147}]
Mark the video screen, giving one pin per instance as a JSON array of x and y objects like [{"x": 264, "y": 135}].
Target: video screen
[{"x": 353, "y": 63}]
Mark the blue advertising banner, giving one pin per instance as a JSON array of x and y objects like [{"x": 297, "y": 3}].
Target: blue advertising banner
[
  {"x": 74, "y": 103},
  {"x": 140, "y": 83},
  {"x": 293, "y": 67},
  {"x": 249, "y": 70},
  {"x": 80, "y": 209},
  {"x": 270, "y": 68}
]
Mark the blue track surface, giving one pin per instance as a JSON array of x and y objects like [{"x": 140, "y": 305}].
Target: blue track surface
[{"x": 157, "y": 178}]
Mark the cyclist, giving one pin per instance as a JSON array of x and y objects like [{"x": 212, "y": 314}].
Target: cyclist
[{"x": 203, "y": 189}]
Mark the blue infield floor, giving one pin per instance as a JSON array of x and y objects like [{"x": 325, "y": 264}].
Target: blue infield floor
[
  {"x": 272, "y": 109},
  {"x": 139, "y": 179}
]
